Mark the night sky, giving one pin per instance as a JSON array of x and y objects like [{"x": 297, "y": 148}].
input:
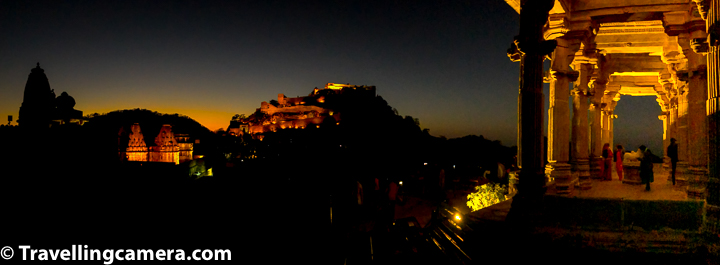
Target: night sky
[{"x": 443, "y": 62}]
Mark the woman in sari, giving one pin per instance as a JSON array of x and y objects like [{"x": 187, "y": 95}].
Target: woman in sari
[
  {"x": 618, "y": 161},
  {"x": 607, "y": 162}
]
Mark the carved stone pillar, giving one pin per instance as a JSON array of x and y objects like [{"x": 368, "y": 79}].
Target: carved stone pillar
[
  {"x": 530, "y": 48},
  {"x": 581, "y": 163},
  {"x": 607, "y": 114},
  {"x": 613, "y": 104},
  {"x": 711, "y": 219},
  {"x": 605, "y": 125},
  {"x": 559, "y": 115},
  {"x": 682, "y": 138},
  {"x": 664, "y": 117},
  {"x": 596, "y": 130},
  {"x": 670, "y": 112},
  {"x": 697, "y": 129},
  {"x": 610, "y": 134}
]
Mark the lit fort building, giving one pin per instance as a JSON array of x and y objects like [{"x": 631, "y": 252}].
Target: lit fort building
[
  {"x": 299, "y": 112},
  {"x": 167, "y": 147}
]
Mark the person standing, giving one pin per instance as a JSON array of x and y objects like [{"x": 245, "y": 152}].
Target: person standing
[
  {"x": 607, "y": 162},
  {"x": 392, "y": 196},
  {"x": 618, "y": 161},
  {"x": 672, "y": 152},
  {"x": 646, "y": 167}
]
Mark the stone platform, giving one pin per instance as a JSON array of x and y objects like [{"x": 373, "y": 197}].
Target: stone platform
[
  {"x": 613, "y": 217},
  {"x": 661, "y": 189}
]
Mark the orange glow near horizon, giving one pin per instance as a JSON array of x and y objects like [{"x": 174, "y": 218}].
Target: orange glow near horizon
[{"x": 213, "y": 120}]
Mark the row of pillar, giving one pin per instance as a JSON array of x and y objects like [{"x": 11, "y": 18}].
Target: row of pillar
[
  {"x": 587, "y": 136},
  {"x": 684, "y": 119}
]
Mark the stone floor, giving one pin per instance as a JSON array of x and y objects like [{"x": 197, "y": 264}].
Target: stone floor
[{"x": 661, "y": 189}]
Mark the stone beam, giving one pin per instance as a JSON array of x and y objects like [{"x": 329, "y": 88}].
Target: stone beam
[
  {"x": 635, "y": 63},
  {"x": 560, "y": 6},
  {"x": 624, "y": 10},
  {"x": 631, "y": 37},
  {"x": 559, "y": 25}
]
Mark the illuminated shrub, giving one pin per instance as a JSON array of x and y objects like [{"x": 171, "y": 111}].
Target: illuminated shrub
[{"x": 487, "y": 195}]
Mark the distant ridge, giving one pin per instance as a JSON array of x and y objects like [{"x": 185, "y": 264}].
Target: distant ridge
[{"x": 150, "y": 122}]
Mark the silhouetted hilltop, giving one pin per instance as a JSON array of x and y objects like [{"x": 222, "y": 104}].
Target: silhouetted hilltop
[{"x": 150, "y": 122}]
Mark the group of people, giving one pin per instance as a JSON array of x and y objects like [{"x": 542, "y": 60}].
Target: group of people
[
  {"x": 608, "y": 157},
  {"x": 644, "y": 155}
]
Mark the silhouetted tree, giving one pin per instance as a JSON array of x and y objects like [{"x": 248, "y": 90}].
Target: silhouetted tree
[{"x": 238, "y": 117}]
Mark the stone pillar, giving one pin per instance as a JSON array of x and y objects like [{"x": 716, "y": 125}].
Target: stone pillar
[
  {"x": 614, "y": 116},
  {"x": 670, "y": 116},
  {"x": 580, "y": 163},
  {"x": 596, "y": 130},
  {"x": 697, "y": 128},
  {"x": 666, "y": 141},
  {"x": 710, "y": 11},
  {"x": 605, "y": 126},
  {"x": 559, "y": 115},
  {"x": 673, "y": 122},
  {"x": 607, "y": 114},
  {"x": 610, "y": 123},
  {"x": 530, "y": 49},
  {"x": 682, "y": 137}
]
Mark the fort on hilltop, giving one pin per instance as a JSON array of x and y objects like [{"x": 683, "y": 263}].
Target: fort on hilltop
[{"x": 298, "y": 112}]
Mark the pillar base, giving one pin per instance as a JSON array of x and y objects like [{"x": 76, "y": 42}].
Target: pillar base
[
  {"x": 562, "y": 175},
  {"x": 581, "y": 167},
  {"x": 711, "y": 219},
  {"x": 681, "y": 176},
  {"x": 697, "y": 182},
  {"x": 596, "y": 165}
]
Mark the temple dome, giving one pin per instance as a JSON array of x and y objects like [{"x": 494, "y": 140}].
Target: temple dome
[{"x": 65, "y": 102}]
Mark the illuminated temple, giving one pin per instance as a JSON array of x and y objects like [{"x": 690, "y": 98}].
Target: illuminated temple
[
  {"x": 167, "y": 147},
  {"x": 298, "y": 112},
  {"x": 600, "y": 52}
]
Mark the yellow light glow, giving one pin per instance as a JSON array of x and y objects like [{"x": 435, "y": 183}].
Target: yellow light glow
[
  {"x": 457, "y": 217},
  {"x": 400, "y": 183}
]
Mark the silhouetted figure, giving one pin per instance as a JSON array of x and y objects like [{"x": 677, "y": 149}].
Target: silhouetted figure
[
  {"x": 392, "y": 196},
  {"x": 646, "y": 167},
  {"x": 607, "y": 162},
  {"x": 441, "y": 180},
  {"x": 672, "y": 152},
  {"x": 619, "y": 152}
]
